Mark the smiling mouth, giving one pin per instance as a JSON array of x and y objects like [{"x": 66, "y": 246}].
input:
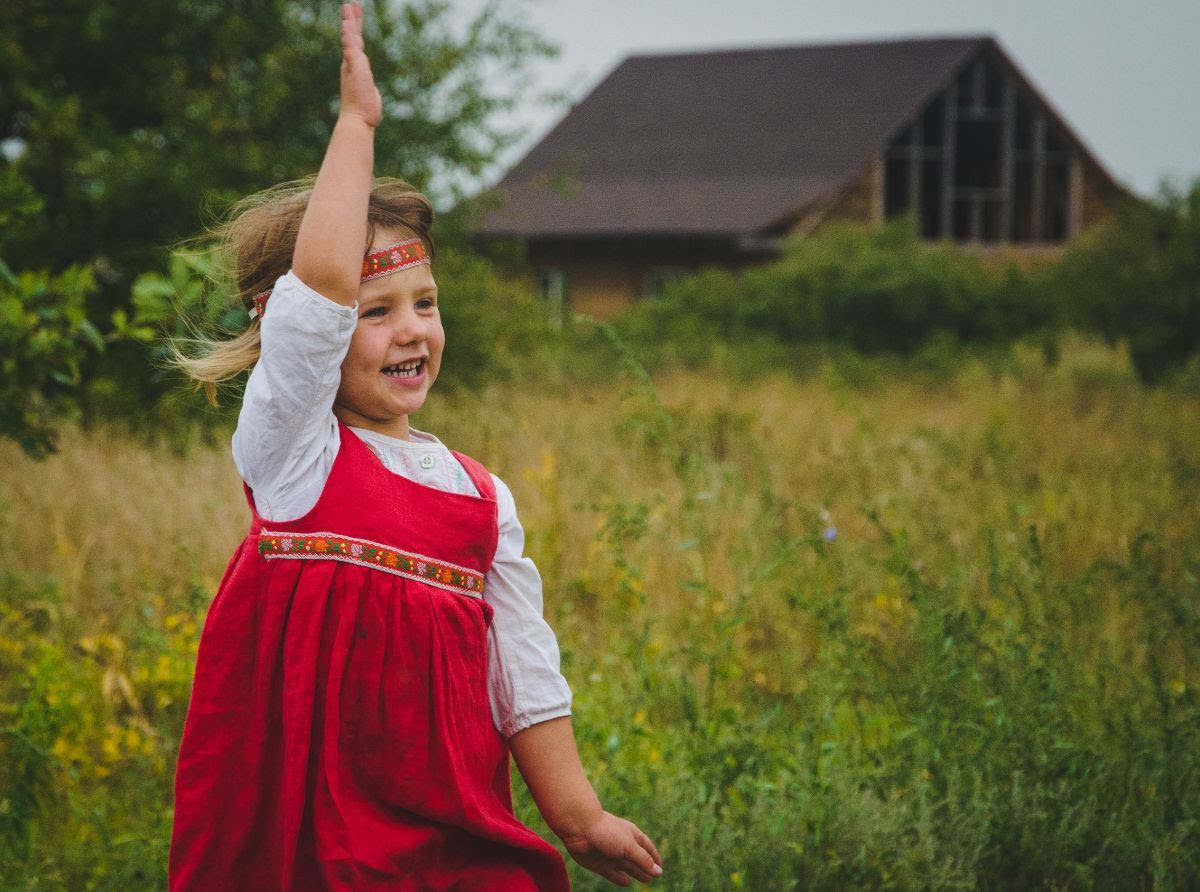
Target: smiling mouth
[{"x": 409, "y": 369}]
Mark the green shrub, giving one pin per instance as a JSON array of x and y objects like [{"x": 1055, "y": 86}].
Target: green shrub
[
  {"x": 45, "y": 338},
  {"x": 870, "y": 289},
  {"x": 1137, "y": 279},
  {"x": 89, "y": 728}
]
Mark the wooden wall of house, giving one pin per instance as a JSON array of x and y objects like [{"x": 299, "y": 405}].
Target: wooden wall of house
[
  {"x": 1100, "y": 197},
  {"x": 605, "y": 279},
  {"x": 601, "y": 287},
  {"x": 862, "y": 199}
]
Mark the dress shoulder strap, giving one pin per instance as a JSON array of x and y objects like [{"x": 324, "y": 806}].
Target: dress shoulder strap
[
  {"x": 256, "y": 522},
  {"x": 479, "y": 475}
]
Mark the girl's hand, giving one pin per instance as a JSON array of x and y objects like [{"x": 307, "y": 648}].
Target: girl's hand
[
  {"x": 616, "y": 849},
  {"x": 360, "y": 97}
]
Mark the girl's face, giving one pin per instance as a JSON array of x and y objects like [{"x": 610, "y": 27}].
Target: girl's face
[{"x": 396, "y": 349}]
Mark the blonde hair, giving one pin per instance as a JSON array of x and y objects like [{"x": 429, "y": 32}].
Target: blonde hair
[{"x": 255, "y": 246}]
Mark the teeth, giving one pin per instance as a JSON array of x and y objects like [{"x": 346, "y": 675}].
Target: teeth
[{"x": 404, "y": 369}]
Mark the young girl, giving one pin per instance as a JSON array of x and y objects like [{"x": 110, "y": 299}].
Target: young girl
[{"x": 376, "y": 648}]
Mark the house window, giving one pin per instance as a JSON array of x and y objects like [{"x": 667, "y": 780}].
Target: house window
[
  {"x": 659, "y": 277},
  {"x": 553, "y": 286},
  {"x": 982, "y": 162}
]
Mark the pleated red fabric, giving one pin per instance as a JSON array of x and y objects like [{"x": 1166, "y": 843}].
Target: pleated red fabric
[{"x": 339, "y": 734}]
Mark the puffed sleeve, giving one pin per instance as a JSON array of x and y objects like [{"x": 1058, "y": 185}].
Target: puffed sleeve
[{"x": 525, "y": 685}]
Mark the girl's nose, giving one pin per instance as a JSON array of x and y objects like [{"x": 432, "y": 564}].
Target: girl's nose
[{"x": 410, "y": 328}]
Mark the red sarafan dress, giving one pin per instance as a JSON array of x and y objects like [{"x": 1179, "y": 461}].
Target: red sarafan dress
[{"x": 339, "y": 734}]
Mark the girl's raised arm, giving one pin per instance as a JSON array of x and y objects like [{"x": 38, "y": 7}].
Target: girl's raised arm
[{"x": 333, "y": 234}]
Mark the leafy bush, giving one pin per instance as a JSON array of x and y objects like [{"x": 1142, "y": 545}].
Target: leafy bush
[
  {"x": 89, "y": 728},
  {"x": 495, "y": 329},
  {"x": 870, "y": 289},
  {"x": 1137, "y": 278},
  {"x": 45, "y": 337}
]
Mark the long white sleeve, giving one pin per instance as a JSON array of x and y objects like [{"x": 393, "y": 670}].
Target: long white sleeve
[
  {"x": 287, "y": 437},
  {"x": 524, "y": 681}
]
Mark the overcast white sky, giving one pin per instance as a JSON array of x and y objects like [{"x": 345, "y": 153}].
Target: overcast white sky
[{"x": 1124, "y": 74}]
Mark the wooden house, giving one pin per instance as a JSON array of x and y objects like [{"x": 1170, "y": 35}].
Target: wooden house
[{"x": 679, "y": 161}]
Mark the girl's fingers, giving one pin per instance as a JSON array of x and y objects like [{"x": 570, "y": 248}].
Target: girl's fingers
[
  {"x": 642, "y": 870},
  {"x": 648, "y": 845},
  {"x": 352, "y": 26},
  {"x": 638, "y": 862}
]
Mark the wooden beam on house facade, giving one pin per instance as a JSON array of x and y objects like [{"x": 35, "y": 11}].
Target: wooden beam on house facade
[
  {"x": 949, "y": 158},
  {"x": 1008, "y": 149},
  {"x": 1039, "y": 176}
]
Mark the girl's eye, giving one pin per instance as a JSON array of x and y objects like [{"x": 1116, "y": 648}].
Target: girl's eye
[
  {"x": 375, "y": 312},
  {"x": 427, "y": 303}
]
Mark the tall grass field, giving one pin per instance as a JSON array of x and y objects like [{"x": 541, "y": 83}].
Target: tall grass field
[{"x": 824, "y": 632}]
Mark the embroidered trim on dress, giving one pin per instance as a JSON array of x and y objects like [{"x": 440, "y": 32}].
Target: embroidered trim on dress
[{"x": 331, "y": 546}]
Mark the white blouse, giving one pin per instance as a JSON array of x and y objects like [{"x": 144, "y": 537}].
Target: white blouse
[{"x": 284, "y": 447}]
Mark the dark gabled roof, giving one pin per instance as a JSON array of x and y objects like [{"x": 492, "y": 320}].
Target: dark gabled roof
[{"x": 721, "y": 143}]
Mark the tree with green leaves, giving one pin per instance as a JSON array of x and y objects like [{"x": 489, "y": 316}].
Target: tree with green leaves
[
  {"x": 1137, "y": 279},
  {"x": 125, "y": 126}
]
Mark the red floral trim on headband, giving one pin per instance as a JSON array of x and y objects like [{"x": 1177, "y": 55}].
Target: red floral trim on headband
[
  {"x": 383, "y": 262},
  {"x": 394, "y": 258}
]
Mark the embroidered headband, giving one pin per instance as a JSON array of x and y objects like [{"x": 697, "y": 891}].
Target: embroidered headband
[{"x": 377, "y": 264}]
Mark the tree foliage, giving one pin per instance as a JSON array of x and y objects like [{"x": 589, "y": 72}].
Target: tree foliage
[
  {"x": 45, "y": 336},
  {"x": 134, "y": 117},
  {"x": 1137, "y": 278},
  {"x": 126, "y": 125}
]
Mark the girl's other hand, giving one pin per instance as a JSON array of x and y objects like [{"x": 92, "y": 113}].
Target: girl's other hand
[
  {"x": 616, "y": 849},
  {"x": 360, "y": 97}
]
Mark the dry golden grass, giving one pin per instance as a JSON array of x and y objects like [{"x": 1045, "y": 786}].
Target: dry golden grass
[
  {"x": 1080, "y": 453},
  {"x": 108, "y": 513}
]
